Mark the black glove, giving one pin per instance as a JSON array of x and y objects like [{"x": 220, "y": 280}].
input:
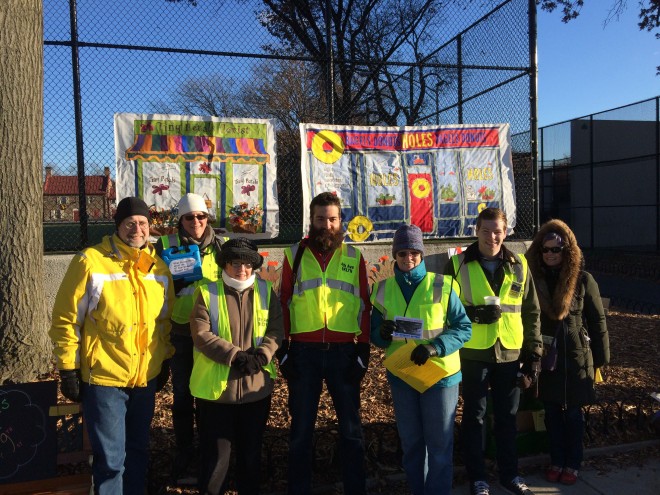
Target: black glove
[
  {"x": 484, "y": 314},
  {"x": 163, "y": 376},
  {"x": 70, "y": 384},
  {"x": 387, "y": 328},
  {"x": 422, "y": 353},
  {"x": 239, "y": 361},
  {"x": 360, "y": 362},
  {"x": 256, "y": 360},
  {"x": 529, "y": 371},
  {"x": 286, "y": 362}
]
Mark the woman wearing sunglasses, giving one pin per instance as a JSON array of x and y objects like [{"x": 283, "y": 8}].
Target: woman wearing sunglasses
[
  {"x": 425, "y": 420},
  {"x": 194, "y": 229},
  {"x": 236, "y": 327},
  {"x": 575, "y": 342}
]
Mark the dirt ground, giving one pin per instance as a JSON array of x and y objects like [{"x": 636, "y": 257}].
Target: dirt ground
[{"x": 621, "y": 416}]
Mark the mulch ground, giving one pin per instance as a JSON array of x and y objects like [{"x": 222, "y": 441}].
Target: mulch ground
[{"x": 621, "y": 416}]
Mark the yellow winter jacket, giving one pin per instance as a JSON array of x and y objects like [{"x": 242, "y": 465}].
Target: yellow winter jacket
[{"x": 111, "y": 317}]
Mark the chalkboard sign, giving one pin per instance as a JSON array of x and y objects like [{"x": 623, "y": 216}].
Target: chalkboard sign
[{"x": 28, "y": 438}]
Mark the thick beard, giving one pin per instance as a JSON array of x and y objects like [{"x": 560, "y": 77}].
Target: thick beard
[{"x": 325, "y": 240}]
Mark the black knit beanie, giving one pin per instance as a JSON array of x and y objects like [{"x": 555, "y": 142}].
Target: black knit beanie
[{"x": 130, "y": 206}]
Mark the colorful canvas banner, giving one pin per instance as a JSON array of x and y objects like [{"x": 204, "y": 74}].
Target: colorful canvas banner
[
  {"x": 438, "y": 178},
  {"x": 231, "y": 163}
]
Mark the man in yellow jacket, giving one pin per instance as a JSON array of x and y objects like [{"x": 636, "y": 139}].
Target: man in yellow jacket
[{"x": 111, "y": 331}]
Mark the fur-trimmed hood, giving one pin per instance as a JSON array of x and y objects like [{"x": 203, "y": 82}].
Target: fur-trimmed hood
[{"x": 558, "y": 305}]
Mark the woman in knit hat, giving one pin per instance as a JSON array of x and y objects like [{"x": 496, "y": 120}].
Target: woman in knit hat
[
  {"x": 575, "y": 342},
  {"x": 194, "y": 229},
  {"x": 236, "y": 328},
  {"x": 425, "y": 418}
]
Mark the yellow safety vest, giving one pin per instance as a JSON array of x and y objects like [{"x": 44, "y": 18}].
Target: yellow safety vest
[
  {"x": 388, "y": 299},
  {"x": 209, "y": 378},
  {"x": 330, "y": 298},
  {"x": 210, "y": 273},
  {"x": 475, "y": 286}
]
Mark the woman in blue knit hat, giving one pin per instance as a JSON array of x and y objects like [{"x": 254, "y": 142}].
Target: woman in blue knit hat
[{"x": 436, "y": 322}]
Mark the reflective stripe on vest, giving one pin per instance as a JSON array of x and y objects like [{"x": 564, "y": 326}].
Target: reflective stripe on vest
[
  {"x": 388, "y": 299},
  {"x": 475, "y": 286},
  {"x": 208, "y": 379},
  {"x": 210, "y": 273},
  {"x": 330, "y": 298}
]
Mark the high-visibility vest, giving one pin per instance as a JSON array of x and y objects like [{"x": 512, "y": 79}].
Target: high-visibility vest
[
  {"x": 210, "y": 273},
  {"x": 330, "y": 298},
  {"x": 388, "y": 299},
  {"x": 209, "y": 378},
  {"x": 475, "y": 286}
]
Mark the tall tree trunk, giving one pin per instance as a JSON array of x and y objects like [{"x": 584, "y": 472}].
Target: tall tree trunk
[{"x": 25, "y": 350}]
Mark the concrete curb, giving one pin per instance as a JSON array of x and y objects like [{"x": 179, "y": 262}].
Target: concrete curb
[{"x": 535, "y": 460}]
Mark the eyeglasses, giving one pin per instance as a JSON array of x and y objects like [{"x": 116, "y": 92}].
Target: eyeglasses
[
  {"x": 556, "y": 249},
  {"x": 238, "y": 264},
  {"x": 132, "y": 225},
  {"x": 199, "y": 217},
  {"x": 405, "y": 254}
]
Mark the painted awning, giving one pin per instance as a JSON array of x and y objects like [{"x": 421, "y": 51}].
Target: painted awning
[{"x": 173, "y": 147}]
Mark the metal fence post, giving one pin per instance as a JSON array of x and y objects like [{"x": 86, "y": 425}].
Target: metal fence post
[
  {"x": 77, "y": 109},
  {"x": 533, "y": 114}
]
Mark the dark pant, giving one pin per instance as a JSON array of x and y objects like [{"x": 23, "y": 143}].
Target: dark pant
[
  {"x": 118, "y": 422},
  {"x": 224, "y": 425},
  {"x": 477, "y": 376},
  {"x": 312, "y": 366},
  {"x": 565, "y": 432},
  {"x": 183, "y": 406}
]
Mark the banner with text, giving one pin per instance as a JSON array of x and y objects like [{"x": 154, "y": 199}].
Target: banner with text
[
  {"x": 231, "y": 163},
  {"x": 438, "y": 178}
]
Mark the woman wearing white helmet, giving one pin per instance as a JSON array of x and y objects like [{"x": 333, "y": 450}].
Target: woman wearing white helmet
[{"x": 195, "y": 237}]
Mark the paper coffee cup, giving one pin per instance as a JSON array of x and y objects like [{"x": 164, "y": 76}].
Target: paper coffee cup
[{"x": 491, "y": 300}]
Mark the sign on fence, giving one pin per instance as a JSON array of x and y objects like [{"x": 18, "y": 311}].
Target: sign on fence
[
  {"x": 438, "y": 178},
  {"x": 231, "y": 163}
]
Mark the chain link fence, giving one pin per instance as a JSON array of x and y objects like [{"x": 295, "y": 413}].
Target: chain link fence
[
  {"x": 601, "y": 175},
  {"x": 376, "y": 63}
]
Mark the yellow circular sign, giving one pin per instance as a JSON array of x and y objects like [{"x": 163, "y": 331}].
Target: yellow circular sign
[
  {"x": 359, "y": 228},
  {"x": 327, "y": 146},
  {"x": 481, "y": 207},
  {"x": 421, "y": 188}
]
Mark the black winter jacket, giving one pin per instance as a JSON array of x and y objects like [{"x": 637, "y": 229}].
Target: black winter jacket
[{"x": 573, "y": 313}]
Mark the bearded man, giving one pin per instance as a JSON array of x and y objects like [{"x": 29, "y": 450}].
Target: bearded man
[{"x": 325, "y": 304}]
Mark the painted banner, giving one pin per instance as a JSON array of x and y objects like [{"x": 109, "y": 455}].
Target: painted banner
[
  {"x": 438, "y": 178},
  {"x": 231, "y": 163}
]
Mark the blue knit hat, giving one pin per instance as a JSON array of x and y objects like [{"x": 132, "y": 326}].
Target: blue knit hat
[{"x": 408, "y": 237}]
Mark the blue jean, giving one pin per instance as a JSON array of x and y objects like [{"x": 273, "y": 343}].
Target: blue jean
[
  {"x": 118, "y": 422},
  {"x": 426, "y": 429},
  {"x": 312, "y": 366},
  {"x": 565, "y": 433},
  {"x": 477, "y": 376},
  {"x": 183, "y": 405}
]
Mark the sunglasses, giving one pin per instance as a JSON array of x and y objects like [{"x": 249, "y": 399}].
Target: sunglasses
[
  {"x": 405, "y": 254},
  {"x": 199, "y": 217},
  {"x": 555, "y": 250}
]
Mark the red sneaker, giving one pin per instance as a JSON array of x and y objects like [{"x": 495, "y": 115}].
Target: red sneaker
[
  {"x": 552, "y": 474},
  {"x": 568, "y": 476}
]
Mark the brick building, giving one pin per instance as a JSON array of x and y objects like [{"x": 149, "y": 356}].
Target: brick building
[{"x": 61, "y": 195}]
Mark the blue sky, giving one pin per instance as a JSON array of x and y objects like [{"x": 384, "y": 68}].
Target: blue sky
[{"x": 585, "y": 68}]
